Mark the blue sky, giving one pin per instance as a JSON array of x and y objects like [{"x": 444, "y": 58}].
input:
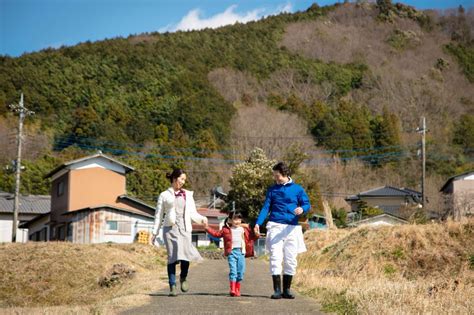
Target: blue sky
[{"x": 31, "y": 25}]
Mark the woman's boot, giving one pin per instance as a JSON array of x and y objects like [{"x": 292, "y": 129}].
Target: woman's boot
[
  {"x": 173, "y": 291},
  {"x": 184, "y": 284}
]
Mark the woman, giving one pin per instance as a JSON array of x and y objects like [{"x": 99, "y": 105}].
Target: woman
[{"x": 178, "y": 208}]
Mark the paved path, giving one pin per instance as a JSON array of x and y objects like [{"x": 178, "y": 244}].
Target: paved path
[{"x": 209, "y": 289}]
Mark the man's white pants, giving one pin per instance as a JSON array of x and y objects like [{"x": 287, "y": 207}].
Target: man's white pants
[{"x": 284, "y": 242}]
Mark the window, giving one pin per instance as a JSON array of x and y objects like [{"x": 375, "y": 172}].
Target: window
[
  {"x": 62, "y": 233},
  {"x": 60, "y": 188},
  {"x": 44, "y": 234},
  {"x": 112, "y": 226},
  {"x": 120, "y": 227},
  {"x": 69, "y": 232}
]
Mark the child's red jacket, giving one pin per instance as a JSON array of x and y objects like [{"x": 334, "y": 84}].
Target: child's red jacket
[{"x": 226, "y": 233}]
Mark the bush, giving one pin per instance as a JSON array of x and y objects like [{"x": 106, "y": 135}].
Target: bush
[{"x": 465, "y": 56}]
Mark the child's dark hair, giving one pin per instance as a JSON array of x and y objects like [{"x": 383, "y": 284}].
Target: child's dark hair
[
  {"x": 282, "y": 168},
  {"x": 177, "y": 172},
  {"x": 233, "y": 215}
]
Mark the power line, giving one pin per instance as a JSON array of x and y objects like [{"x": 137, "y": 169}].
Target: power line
[
  {"x": 122, "y": 151},
  {"x": 329, "y": 151}
]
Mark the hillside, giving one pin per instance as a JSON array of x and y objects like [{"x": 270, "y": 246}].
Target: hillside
[
  {"x": 350, "y": 81},
  {"x": 64, "y": 277},
  {"x": 409, "y": 269}
]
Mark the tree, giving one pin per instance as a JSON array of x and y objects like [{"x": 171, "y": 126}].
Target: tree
[
  {"x": 464, "y": 133},
  {"x": 249, "y": 183},
  {"x": 205, "y": 144},
  {"x": 294, "y": 156},
  {"x": 386, "y": 130}
]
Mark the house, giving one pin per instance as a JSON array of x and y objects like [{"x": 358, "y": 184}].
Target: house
[
  {"x": 30, "y": 207},
  {"x": 398, "y": 202},
  {"x": 215, "y": 219},
  {"x": 89, "y": 204},
  {"x": 459, "y": 193},
  {"x": 317, "y": 222},
  {"x": 383, "y": 219}
]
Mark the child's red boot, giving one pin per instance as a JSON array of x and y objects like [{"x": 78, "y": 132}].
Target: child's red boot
[
  {"x": 232, "y": 288},
  {"x": 237, "y": 288}
]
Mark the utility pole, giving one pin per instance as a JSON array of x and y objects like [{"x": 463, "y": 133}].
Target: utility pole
[
  {"x": 23, "y": 112},
  {"x": 423, "y": 130}
]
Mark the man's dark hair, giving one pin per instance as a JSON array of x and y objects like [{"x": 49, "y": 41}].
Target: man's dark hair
[{"x": 282, "y": 168}]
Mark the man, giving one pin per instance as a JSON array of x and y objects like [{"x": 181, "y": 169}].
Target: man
[{"x": 285, "y": 201}]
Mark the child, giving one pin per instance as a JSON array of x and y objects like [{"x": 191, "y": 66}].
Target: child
[{"x": 238, "y": 244}]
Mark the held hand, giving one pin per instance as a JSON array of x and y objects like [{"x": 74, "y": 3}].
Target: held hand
[
  {"x": 256, "y": 229},
  {"x": 298, "y": 211},
  {"x": 153, "y": 239}
]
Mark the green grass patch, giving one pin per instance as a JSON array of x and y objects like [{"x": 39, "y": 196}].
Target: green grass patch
[
  {"x": 389, "y": 269},
  {"x": 332, "y": 302},
  {"x": 211, "y": 247},
  {"x": 398, "y": 253}
]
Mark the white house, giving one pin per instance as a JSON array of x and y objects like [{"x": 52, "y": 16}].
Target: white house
[{"x": 30, "y": 207}]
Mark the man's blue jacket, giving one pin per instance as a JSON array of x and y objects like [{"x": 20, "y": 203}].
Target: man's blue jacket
[{"x": 281, "y": 202}]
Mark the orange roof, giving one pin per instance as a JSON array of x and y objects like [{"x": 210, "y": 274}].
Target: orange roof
[
  {"x": 200, "y": 227},
  {"x": 211, "y": 213}
]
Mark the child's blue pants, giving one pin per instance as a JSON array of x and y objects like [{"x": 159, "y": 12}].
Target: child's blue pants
[{"x": 236, "y": 265}]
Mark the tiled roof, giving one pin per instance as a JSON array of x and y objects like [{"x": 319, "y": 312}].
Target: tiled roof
[
  {"x": 215, "y": 213},
  {"x": 387, "y": 191},
  {"x": 378, "y": 217},
  {"x": 30, "y": 204},
  {"x": 200, "y": 228},
  {"x": 106, "y": 206},
  {"x": 136, "y": 200},
  {"x": 456, "y": 177}
]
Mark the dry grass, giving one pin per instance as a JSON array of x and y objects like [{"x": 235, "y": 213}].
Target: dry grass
[
  {"x": 410, "y": 269},
  {"x": 64, "y": 277},
  {"x": 404, "y": 78}
]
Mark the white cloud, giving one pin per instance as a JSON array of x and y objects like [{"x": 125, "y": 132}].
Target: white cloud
[
  {"x": 194, "y": 19},
  {"x": 286, "y": 8}
]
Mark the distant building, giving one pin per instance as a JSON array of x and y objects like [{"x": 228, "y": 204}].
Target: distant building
[
  {"x": 215, "y": 220},
  {"x": 459, "y": 194},
  {"x": 89, "y": 204},
  {"x": 30, "y": 207},
  {"x": 379, "y": 220},
  {"x": 317, "y": 222},
  {"x": 398, "y": 202}
]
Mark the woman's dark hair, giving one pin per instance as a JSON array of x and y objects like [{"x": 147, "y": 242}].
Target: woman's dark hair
[
  {"x": 177, "y": 172},
  {"x": 282, "y": 168}
]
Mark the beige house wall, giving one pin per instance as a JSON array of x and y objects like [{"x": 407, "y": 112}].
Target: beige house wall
[{"x": 463, "y": 197}]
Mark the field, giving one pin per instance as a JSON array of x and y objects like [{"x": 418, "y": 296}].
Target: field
[
  {"x": 63, "y": 278},
  {"x": 409, "y": 269}
]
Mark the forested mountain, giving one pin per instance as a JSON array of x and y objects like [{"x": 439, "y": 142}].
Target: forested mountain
[{"x": 348, "y": 80}]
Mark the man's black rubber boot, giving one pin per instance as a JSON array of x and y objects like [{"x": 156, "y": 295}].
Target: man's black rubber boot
[
  {"x": 286, "y": 287},
  {"x": 276, "y": 287}
]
